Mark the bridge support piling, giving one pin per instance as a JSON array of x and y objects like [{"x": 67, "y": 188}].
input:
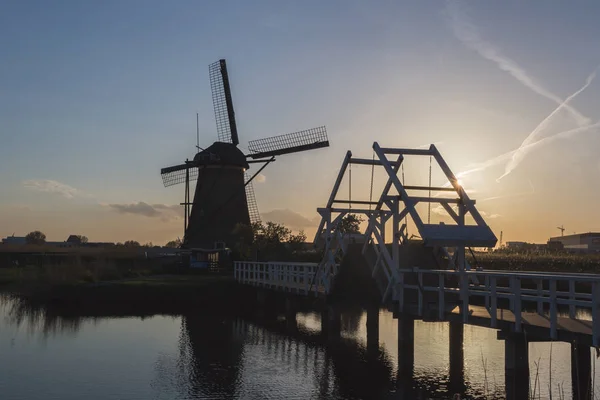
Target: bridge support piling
[
  {"x": 406, "y": 347},
  {"x": 457, "y": 360},
  {"x": 373, "y": 331},
  {"x": 331, "y": 322},
  {"x": 581, "y": 371},
  {"x": 290, "y": 313},
  {"x": 516, "y": 367},
  {"x": 261, "y": 297}
]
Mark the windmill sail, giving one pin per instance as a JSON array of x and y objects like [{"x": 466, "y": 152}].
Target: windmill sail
[
  {"x": 251, "y": 199},
  {"x": 222, "y": 102},
  {"x": 176, "y": 174},
  {"x": 309, "y": 139}
]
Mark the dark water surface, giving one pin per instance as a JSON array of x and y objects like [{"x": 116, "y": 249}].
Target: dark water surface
[{"x": 200, "y": 356}]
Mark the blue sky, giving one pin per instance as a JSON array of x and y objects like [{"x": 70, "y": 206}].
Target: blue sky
[{"x": 96, "y": 97}]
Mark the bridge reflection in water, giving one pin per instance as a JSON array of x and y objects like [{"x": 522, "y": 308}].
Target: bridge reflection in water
[
  {"x": 267, "y": 357},
  {"x": 252, "y": 356}
]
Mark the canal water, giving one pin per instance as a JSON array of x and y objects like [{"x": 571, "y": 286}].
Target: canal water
[{"x": 203, "y": 356}]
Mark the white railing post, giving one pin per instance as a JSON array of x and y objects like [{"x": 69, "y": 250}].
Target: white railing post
[
  {"x": 487, "y": 292},
  {"x": 441, "y": 292},
  {"x": 511, "y": 298},
  {"x": 540, "y": 298},
  {"x": 494, "y": 301},
  {"x": 571, "y": 298},
  {"x": 553, "y": 311},
  {"x": 401, "y": 293},
  {"x": 517, "y": 303},
  {"x": 306, "y": 283},
  {"x": 595, "y": 311},
  {"x": 464, "y": 294}
]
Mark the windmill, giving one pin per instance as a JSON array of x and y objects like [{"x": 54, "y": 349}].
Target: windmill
[{"x": 224, "y": 195}]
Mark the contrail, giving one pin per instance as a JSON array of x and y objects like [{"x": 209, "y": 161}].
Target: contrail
[
  {"x": 520, "y": 153},
  {"x": 502, "y": 157},
  {"x": 467, "y": 33},
  {"x": 530, "y": 192}
]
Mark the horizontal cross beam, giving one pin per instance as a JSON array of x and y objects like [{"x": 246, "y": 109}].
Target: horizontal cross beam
[
  {"x": 405, "y": 152},
  {"x": 365, "y": 161},
  {"x": 356, "y": 202},
  {"x": 432, "y": 188}
]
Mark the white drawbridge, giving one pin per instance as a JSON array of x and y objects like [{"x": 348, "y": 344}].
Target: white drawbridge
[{"x": 396, "y": 204}]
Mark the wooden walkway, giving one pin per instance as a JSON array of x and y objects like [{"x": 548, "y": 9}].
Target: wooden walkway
[{"x": 536, "y": 327}]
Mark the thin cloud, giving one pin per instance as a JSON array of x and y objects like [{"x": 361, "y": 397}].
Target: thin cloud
[
  {"x": 487, "y": 215},
  {"x": 290, "y": 219},
  {"x": 163, "y": 211},
  {"x": 468, "y": 34},
  {"x": 51, "y": 186},
  {"x": 520, "y": 154},
  {"x": 506, "y": 156},
  {"x": 427, "y": 146}
]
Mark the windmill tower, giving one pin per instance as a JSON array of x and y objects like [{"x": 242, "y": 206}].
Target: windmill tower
[{"x": 224, "y": 196}]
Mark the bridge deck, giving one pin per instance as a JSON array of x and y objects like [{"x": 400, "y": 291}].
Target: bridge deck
[
  {"x": 536, "y": 326},
  {"x": 529, "y": 319}
]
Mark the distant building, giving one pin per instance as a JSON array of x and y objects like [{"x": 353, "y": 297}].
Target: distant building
[
  {"x": 516, "y": 245},
  {"x": 527, "y": 247},
  {"x": 14, "y": 240},
  {"x": 579, "y": 242},
  {"x": 74, "y": 239}
]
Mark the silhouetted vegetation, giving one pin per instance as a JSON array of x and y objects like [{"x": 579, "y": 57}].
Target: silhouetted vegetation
[
  {"x": 35, "y": 237},
  {"x": 268, "y": 242},
  {"x": 350, "y": 223},
  {"x": 174, "y": 244}
]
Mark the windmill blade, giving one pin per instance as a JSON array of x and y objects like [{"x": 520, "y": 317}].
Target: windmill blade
[
  {"x": 222, "y": 102},
  {"x": 177, "y": 174},
  {"x": 251, "y": 199},
  {"x": 309, "y": 139}
]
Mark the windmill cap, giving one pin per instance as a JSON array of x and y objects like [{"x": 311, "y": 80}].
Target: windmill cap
[{"x": 222, "y": 153}]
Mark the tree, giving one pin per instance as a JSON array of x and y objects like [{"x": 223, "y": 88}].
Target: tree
[
  {"x": 131, "y": 243},
  {"x": 82, "y": 238},
  {"x": 350, "y": 223},
  {"x": 35, "y": 237},
  {"x": 174, "y": 244},
  {"x": 296, "y": 242}
]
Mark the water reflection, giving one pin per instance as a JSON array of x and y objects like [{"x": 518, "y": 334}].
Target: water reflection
[{"x": 196, "y": 355}]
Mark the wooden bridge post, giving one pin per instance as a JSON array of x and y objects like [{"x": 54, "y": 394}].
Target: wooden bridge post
[
  {"x": 457, "y": 360},
  {"x": 290, "y": 313},
  {"x": 516, "y": 367},
  {"x": 581, "y": 371},
  {"x": 406, "y": 347},
  {"x": 373, "y": 330},
  {"x": 331, "y": 322}
]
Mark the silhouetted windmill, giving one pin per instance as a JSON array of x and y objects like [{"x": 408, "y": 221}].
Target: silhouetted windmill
[{"x": 224, "y": 195}]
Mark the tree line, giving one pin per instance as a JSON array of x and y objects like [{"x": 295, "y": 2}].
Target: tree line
[{"x": 253, "y": 241}]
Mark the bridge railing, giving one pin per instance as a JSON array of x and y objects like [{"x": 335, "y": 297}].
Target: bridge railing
[
  {"x": 543, "y": 292},
  {"x": 298, "y": 277}
]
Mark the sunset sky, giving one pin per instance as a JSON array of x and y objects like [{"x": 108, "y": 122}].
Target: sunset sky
[{"x": 97, "y": 97}]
